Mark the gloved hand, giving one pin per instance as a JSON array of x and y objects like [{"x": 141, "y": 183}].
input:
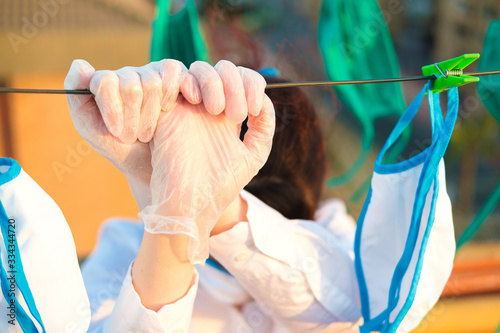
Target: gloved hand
[
  {"x": 199, "y": 163},
  {"x": 120, "y": 119}
]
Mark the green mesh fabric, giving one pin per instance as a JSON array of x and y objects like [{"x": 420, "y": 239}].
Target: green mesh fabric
[
  {"x": 488, "y": 89},
  {"x": 177, "y": 36},
  {"x": 356, "y": 44}
]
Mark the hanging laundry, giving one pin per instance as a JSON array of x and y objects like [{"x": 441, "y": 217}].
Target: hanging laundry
[
  {"x": 407, "y": 201},
  {"x": 488, "y": 89},
  {"x": 356, "y": 44},
  {"x": 177, "y": 36},
  {"x": 489, "y": 86}
]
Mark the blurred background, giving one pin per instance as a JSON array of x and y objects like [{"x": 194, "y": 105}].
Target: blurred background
[{"x": 39, "y": 40}]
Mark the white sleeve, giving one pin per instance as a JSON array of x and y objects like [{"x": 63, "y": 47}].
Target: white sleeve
[
  {"x": 115, "y": 305},
  {"x": 298, "y": 272},
  {"x": 34, "y": 223}
]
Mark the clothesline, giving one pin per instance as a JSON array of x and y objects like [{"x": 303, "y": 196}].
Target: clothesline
[{"x": 269, "y": 86}]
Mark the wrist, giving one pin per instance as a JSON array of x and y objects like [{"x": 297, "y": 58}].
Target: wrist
[
  {"x": 235, "y": 213},
  {"x": 140, "y": 189},
  {"x": 161, "y": 273}
]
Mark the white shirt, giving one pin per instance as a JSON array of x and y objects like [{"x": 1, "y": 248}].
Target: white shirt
[{"x": 287, "y": 276}]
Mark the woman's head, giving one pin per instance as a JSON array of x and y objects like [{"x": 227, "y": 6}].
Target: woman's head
[{"x": 292, "y": 179}]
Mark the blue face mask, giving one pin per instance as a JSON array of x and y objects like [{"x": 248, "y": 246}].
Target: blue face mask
[{"x": 404, "y": 245}]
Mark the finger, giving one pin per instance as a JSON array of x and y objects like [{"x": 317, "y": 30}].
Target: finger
[
  {"x": 79, "y": 76},
  {"x": 170, "y": 72},
  {"x": 105, "y": 86},
  {"x": 190, "y": 88},
  {"x": 254, "y": 85},
  {"x": 211, "y": 87},
  {"x": 259, "y": 137},
  {"x": 236, "y": 105},
  {"x": 131, "y": 95},
  {"x": 150, "y": 112}
]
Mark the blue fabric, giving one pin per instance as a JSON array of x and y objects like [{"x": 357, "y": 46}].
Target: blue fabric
[
  {"x": 401, "y": 125},
  {"x": 441, "y": 140},
  {"x": 13, "y": 172},
  {"x": 22, "y": 283},
  {"x": 216, "y": 265},
  {"x": 269, "y": 71},
  {"x": 363, "y": 290},
  {"x": 418, "y": 268},
  {"x": 21, "y": 316},
  {"x": 431, "y": 157}
]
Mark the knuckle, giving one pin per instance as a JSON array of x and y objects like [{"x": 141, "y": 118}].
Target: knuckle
[
  {"x": 260, "y": 81},
  {"x": 197, "y": 64},
  {"x": 234, "y": 88},
  {"x": 132, "y": 90},
  {"x": 224, "y": 64},
  {"x": 226, "y": 67},
  {"x": 107, "y": 78},
  {"x": 172, "y": 64},
  {"x": 202, "y": 70},
  {"x": 245, "y": 72},
  {"x": 153, "y": 83}
]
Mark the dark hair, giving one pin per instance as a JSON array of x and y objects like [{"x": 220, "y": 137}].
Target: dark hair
[{"x": 293, "y": 177}]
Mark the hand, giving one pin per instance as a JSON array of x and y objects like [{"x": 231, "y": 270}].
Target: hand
[
  {"x": 199, "y": 163},
  {"x": 120, "y": 119}
]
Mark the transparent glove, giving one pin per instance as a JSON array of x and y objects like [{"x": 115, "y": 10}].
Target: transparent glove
[
  {"x": 199, "y": 163},
  {"x": 119, "y": 120}
]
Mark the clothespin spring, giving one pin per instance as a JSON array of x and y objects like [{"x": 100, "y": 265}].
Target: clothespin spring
[{"x": 453, "y": 72}]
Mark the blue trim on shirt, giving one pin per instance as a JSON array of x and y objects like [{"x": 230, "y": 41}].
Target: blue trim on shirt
[
  {"x": 212, "y": 263},
  {"x": 13, "y": 172}
]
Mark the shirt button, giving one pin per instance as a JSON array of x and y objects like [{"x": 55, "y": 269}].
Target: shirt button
[{"x": 241, "y": 257}]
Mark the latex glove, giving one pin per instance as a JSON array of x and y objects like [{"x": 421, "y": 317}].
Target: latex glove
[
  {"x": 199, "y": 163},
  {"x": 119, "y": 120}
]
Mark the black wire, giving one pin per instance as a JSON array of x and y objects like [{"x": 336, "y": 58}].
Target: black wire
[
  {"x": 44, "y": 91},
  {"x": 338, "y": 83},
  {"x": 483, "y": 73},
  {"x": 269, "y": 86}
]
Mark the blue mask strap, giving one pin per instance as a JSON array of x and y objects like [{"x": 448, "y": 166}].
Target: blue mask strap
[
  {"x": 438, "y": 147},
  {"x": 442, "y": 130},
  {"x": 403, "y": 123},
  {"x": 436, "y": 113}
]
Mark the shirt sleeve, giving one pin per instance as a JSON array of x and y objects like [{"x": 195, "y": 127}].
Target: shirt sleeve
[
  {"x": 129, "y": 315},
  {"x": 299, "y": 272},
  {"x": 47, "y": 282},
  {"x": 115, "y": 305}
]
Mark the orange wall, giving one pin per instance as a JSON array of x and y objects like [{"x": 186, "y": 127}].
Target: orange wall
[{"x": 86, "y": 187}]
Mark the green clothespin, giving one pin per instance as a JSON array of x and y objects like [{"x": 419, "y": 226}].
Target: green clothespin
[{"x": 449, "y": 73}]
